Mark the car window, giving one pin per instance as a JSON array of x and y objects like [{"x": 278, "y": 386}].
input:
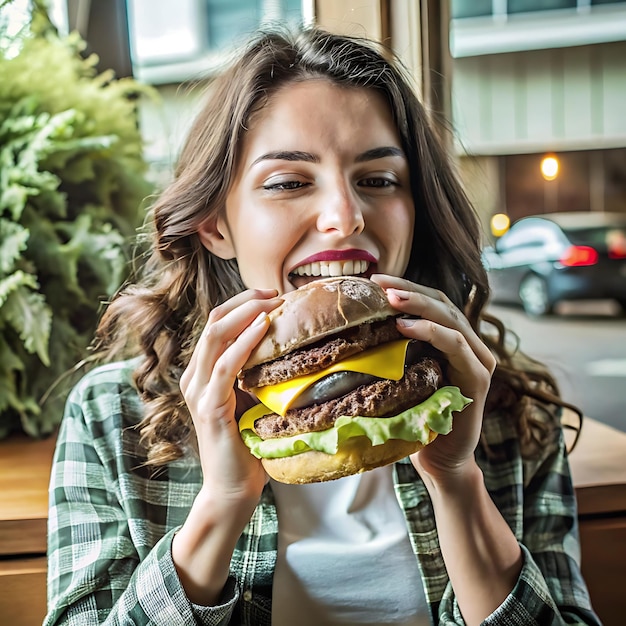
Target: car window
[
  {"x": 526, "y": 235},
  {"x": 605, "y": 239}
]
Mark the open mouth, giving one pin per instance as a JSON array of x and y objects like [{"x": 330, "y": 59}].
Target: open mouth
[
  {"x": 333, "y": 265},
  {"x": 319, "y": 269}
]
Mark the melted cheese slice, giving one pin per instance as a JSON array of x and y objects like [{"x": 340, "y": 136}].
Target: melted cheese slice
[
  {"x": 246, "y": 421},
  {"x": 384, "y": 361}
]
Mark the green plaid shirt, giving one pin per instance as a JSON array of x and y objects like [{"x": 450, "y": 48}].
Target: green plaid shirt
[{"x": 112, "y": 521}]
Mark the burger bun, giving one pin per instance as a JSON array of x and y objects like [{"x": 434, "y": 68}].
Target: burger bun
[
  {"x": 355, "y": 456},
  {"x": 319, "y": 309}
]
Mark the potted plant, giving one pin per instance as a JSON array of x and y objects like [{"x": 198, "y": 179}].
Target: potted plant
[{"x": 72, "y": 183}]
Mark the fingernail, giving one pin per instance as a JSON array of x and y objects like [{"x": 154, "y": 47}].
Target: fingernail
[
  {"x": 405, "y": 321},
  {"x": 398, "y": 293}
]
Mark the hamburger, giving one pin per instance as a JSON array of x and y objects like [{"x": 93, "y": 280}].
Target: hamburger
[{"x": 341, "y": 390}]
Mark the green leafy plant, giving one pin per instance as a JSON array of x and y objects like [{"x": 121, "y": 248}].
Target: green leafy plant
[{"x": 72, "y": 184}]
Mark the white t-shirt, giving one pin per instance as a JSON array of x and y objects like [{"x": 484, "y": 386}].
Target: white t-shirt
[{"x": 344, "y": 555}]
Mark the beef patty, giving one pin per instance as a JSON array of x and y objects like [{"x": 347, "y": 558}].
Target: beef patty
[
  {"x": 381, "y": 398},
  {"x": 322, "y": 354}
]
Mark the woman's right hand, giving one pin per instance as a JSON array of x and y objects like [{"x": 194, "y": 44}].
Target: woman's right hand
[
  {"x": 232, "y": 478},
  {"x": 209, "y": 386}
]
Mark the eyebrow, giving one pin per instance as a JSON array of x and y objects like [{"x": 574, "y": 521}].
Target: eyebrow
[
  {"x": 379, "y": 153},
  {"x": 297, "y": 155},
  {"x": 287, "y": 155}
]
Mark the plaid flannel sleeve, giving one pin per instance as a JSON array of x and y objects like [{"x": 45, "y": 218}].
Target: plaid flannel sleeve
[
  {"x": 97, "y": 571},
  {"x": 550, "y": 589}
]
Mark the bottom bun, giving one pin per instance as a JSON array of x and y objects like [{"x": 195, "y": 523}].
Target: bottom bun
[{"x": 356, "y": 455}]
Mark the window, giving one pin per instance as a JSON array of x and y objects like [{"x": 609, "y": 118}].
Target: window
[
  {"x": 527, "y": 234},
  {"x": 498, "y": 8},
  {"x": 226, "y": 19},
  {"x": 471, "y": 8},
  {"x": 497, "y": 26},
  {"x": 526, "y": 6},
  {"x": 172, "y": 40},
  {"x": 612, "y": 239}
]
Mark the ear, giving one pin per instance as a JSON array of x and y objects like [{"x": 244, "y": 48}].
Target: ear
[{"x": 215, "y": 237}]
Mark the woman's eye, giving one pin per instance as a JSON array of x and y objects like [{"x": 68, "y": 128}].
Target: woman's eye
[
  {"x": 284, "y": 185},
  {"x": 376, "y": 181}
]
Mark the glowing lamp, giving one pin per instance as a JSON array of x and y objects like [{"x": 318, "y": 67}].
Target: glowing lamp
[
  {"x": 500, "y": 223},
  {"x": 550, "y": 167}
]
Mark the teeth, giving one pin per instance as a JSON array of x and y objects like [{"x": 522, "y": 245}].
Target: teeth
[
  {"x": 335, "y": 268},
  {"x": 332, "y": 268}
]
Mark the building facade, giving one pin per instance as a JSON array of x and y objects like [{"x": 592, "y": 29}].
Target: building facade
[{"x": 534, "y": 78}]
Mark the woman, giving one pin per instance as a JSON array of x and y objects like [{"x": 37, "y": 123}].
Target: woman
[{"x": 311, "y": 148}]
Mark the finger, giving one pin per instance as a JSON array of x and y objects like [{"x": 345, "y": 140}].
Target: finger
[
  {"x": 213, "y": 402},
  {"x": 236, "y": 301},
  {"x": 229, "y": 363},
  {"x": 229, "y": 331},
  {"x": 393, "y": 282},
  {"x": 221, "y": 330},
  {"x": 220, "y": 311},
  {"x": 400, "y": 289},
  {"x": 441, "y": 310},
  {"x": 461, "y": 356}
]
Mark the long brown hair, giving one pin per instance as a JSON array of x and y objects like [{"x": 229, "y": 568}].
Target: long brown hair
[{"x": 160, "y": 315}]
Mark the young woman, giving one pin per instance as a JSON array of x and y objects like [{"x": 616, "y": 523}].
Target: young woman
[{"x": 312, "y": 154}]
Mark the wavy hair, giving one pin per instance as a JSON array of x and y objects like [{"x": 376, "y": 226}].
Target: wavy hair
[{"x": 161, "y": 313}]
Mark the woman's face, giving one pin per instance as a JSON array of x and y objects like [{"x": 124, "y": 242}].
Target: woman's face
[{"x": 321, "y": 188}]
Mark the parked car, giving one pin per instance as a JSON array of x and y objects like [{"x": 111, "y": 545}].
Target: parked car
[{"x": 544, "y": 259}]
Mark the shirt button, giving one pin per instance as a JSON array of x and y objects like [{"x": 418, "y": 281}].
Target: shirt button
[{"x": 247, "y": 595}]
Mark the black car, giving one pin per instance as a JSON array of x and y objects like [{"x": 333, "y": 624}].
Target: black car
[{"x": 544, "y": 259}]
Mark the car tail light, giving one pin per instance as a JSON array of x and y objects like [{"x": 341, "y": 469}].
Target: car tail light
[{"x": 577, "y": 256}]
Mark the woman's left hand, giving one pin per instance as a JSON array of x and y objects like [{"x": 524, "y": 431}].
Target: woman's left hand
[{"x": 437, "y": 321}]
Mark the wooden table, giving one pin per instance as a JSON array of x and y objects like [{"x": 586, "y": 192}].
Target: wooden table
[
  {"x": 599, "y": 471},
  {"x": 24, "y": 473},
  {"x": 598, "y": 467}
]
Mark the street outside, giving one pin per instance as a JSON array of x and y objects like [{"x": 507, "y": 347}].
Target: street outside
[{"x": 585, "y": 348}]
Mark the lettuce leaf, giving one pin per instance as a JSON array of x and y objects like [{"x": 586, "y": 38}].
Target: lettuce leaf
[{"x": 414, "y": 424}]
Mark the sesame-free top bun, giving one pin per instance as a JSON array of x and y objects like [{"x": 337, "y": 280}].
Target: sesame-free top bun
[
  {"x": 355, "y": 456},
  {"x": 318, "y": 309}
]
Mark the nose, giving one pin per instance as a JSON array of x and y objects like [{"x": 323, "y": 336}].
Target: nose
[{"x": 341, "y": 212}]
